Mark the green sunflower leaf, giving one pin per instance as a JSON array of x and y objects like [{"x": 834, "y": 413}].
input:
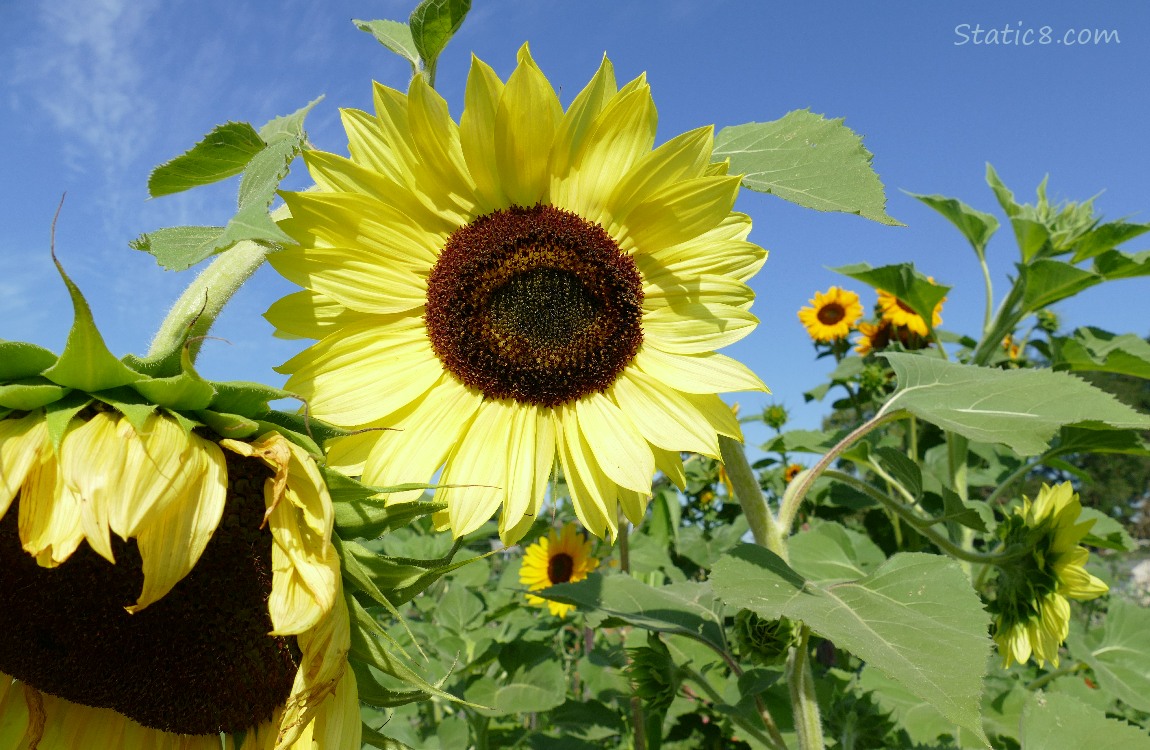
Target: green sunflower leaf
[
  {"x": 829, "y": 551},
  {"x": 915, "y": 618},
  {"x": 1053, "y": 721},
  {"x": 1005, "y": 197},
  {"x": 1101, "y": 351},
  {"x": 1107, "y": 532},
  {"x": 904, "y": 282},
  {"x": 1119, "y": 653},
  {"x": 20, "y": 360},
  {"x": 1047, "y": 281},
  {"x": 373, "y": 693},
  {"x": 243, "y": 397},
  {"x": 977, "y": 227},
  {"x": 184, "y": 391},
  {"x": 683, "y": 608},
  {"x": 806, "y": 159},
  {"x": 222, "y": 153},
  {"x": 180, "y": 248},
  {"x": 288, "y": 126},
  {"x": 432, "y": 24},
  {"x": 1106, "y": 237},
  {"x": 396, "y": 37},
  {"x": 86, "y": 363},
  {"x": 1022, "y": 409},
  {"x": 27, "y": 394},
  {"x": 227, "y": 425},
  {"x": 1089, "y": 440},
  {"x": 1115, "y": 264},
  {"x": 540, "y": 687}
]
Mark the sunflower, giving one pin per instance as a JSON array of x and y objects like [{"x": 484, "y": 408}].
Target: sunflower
[
  {"x": 792, "y": 471},
  {"x": 1032, "y": 614},
  {"x": 527, "y": 287},
  {"x": 831, "y": 315},
  {"x": 875, "y": 337},
  {"x": 145, "y": 602},
  {"x": 898, "y": 313},
  {"x": 563, "y": 557}
]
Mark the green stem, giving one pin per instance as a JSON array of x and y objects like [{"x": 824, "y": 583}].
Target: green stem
[
  {"x": 763, "y": 526},
  {"x": 793, "y": 498},
  {"x": 1004, "y": 321},
  {"x": 804, "y": 703},
  {"x": 989, "y": 289},
  {"x": 1051, "y": 676},
  {"x": 775, "y": 740},
  {"x": 193, "y": 314},
  {"x": 1015, "y": 475}
]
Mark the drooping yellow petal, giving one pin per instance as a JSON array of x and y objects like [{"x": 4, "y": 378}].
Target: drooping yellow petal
[
  {"x": 620, "y": 450},
  {"x": 525, "y": 124},
  {"x": 475, "y": 480},
  {"x": 22, "y": 442},
  {"x": 592, "y": 493},
  {"x": 534, "y": 449},
  {"x": 671, "y": 464},
  {"x": 92, "y": 461},
  {"x": 49, "y": 514},
  {"x": 171, "y": 543},
  {"x": 160, "y": 470},
  {"x": 664, "y": 416}
]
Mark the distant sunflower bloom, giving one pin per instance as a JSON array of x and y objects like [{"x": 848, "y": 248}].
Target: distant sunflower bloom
[
  {"x": 181, "y": 617},
  {"x": 792, "y": 471},
  {"x": 900, "y": 314},
  {"x": 525, "y": 286},
  {"x": 831, "y": 315},
  {"x": 563, "y": 557},
  {"x": 1032, "y": 614},
  {"x": 875, "y": 337}
]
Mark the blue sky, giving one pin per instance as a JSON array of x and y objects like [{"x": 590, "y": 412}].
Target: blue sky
[{"x": 97, "y": 92}]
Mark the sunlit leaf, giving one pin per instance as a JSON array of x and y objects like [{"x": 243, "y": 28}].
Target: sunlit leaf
[
  {"x": 1106, "y": 237},
  {"x": 1115, "y": 264},
  {"x": 1094, "y": 349},
  {"x": 433, "y": 23},
  {"x": 1119, "y": 653},
  {"x": 1047, "y": 281},
  {"x": 1022, "y": 409},
  {"x": 222, "y": 153},
  {"x": 977, "y": 227},
  {"x": 806, "y": 159},
  {"x": 916, "y": 618},
  {"x": 1052, "y": 721},
  {"x": 904, "y": 282},
  {"x": 396, "y": 37}
]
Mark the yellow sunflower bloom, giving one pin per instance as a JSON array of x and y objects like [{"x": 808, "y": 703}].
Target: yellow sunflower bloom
[
  {"x": 831, "y": 315},
  {"x": 898, "y": 313},
  {"x": 181, "y": 617},
  {"x": 1032, "y": 614},
  {"x": 563, "y": 557},
  {"x": 792, "y": 471},
  {"x": 526, "y": 286}
]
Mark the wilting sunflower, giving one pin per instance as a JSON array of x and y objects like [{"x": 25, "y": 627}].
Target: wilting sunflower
[
  {"x": 900, "y": 314},
  {"x": 563, "y": 557},
  {"x": 831, "y": 315},
  {"x": 527, "y": 286},
  {"x": 145, "y": 602},
  {"x": 1032, "y": 614}
]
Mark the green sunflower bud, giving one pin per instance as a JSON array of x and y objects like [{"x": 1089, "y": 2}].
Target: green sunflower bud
[
  {"x": 764, "y": 641},
  {"x": 775, "y": 416}
]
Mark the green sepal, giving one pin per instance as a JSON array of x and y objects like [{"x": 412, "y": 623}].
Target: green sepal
[
  {"x": 241, "y": 397},
  {"x": 370, "y": 518},
  {"x": 86, "y": 363},
  {"x": 186, "y": 391},
  {"x": 58, "y": 415},
  {"x": 129, "y": 403},
  {"x": 313, "y": 433},
  {"x": 381, "y": 741},
  {"x": 373, "y": 693},
  {"x": 20, "y": 360},
  {"x": 228, "y": 425},
  {"x": 26, "y": 394}
]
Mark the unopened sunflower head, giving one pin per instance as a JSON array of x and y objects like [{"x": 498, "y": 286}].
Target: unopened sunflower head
[
  {"x": 168, "y": 563},
  {"x": 832, "y": 315},
  {"x": 1032, "y": 614},
  {"x": 559, "y": 557},
  {"x": 529, "y": 286}
]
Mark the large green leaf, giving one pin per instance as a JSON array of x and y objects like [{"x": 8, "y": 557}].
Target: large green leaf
[
  {"x": 904, "y": 282},
  {"x": 396, "y": 37},
  {"x": 1101, "y": 351},
  {"x": 683, "y": 608},
  {"x": 1115, "y": 264},
  {"x": 977, "y": 227},
  {"x": 1047, "y": 281},
  {"x": 1106, "y": 237},
  {"x": 180, "y": 248},
  {"x": 1119, "y": 654},
  {"x": 540, "y": 687},
  {"x": 222, "y": 153},
  {"x": 806, "y": 159},
  {"x": 915, "y": 618},
  {"x": 1005, "y": 197},
  {"x": 1052, "y": 721},
  {"x": 832, "y": 552},
  {"x": 1022, "y": 409},
  {"x": 433, "y": 23}
]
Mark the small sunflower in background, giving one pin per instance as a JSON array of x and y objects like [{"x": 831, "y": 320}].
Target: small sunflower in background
[
  {"x": 900, "y": 314},
  {"x": 792, "y": 471},
  {"x": 1032, "y": 614},
  {"x": 875, "y": 337},
  {"x": 832, "y": 314},
  {"x": 539, "y": 285},
  {"x": 560, "y": 557}
]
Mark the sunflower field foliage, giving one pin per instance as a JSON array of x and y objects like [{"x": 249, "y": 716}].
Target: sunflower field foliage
[{"x": 508, "y": 508}]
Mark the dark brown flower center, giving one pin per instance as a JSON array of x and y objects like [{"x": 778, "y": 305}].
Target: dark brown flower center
[
  {"x": 831, "y": 313},
  {"x": 198, "y": 661},
  {"x": 534, "y": 304},
  {"x": 560, "y": 567}
]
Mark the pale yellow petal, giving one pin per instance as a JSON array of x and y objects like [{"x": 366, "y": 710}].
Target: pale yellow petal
[
  {"x": 634, "y": 504},
  {"x": 477, "y": 134},
  {"x": 349, "y": 454},
  {"x": 159, "y": 471},
  {"x": 479, "y": 474},
  {"x": 697, "y": 373},
  {"x": 682, "y": 158},
  {"x": 48, "y": 514},
  {"x": 337, "y": 724},
  {"x": 592, "y": 493},
  {"x": 359, "y": 279},
  {"x": 671, "y": 464},
  {"x": 92, "y": 461},
  {"x": 678, "y": 212},
  {"x": 696, "y": 327},
  {"x": 665, "y": 417},
  {"x": 308, "y": 314},
  {"x": 735, "y": 259},
  {"x": 22, "y": 442},
  {"x": 525, "y": 123},
  {"x": 531, "y": 457},
  {"x": 14, "y": 710},
  {"x": 171, "y": 544},
  {"x": 436, "y": 139},
  {"x": 366, "y": 144},
  {"x": 664, "y": 289},
  {"x": 421, "y": 437},
  {"x": 620, "y": 450}
]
